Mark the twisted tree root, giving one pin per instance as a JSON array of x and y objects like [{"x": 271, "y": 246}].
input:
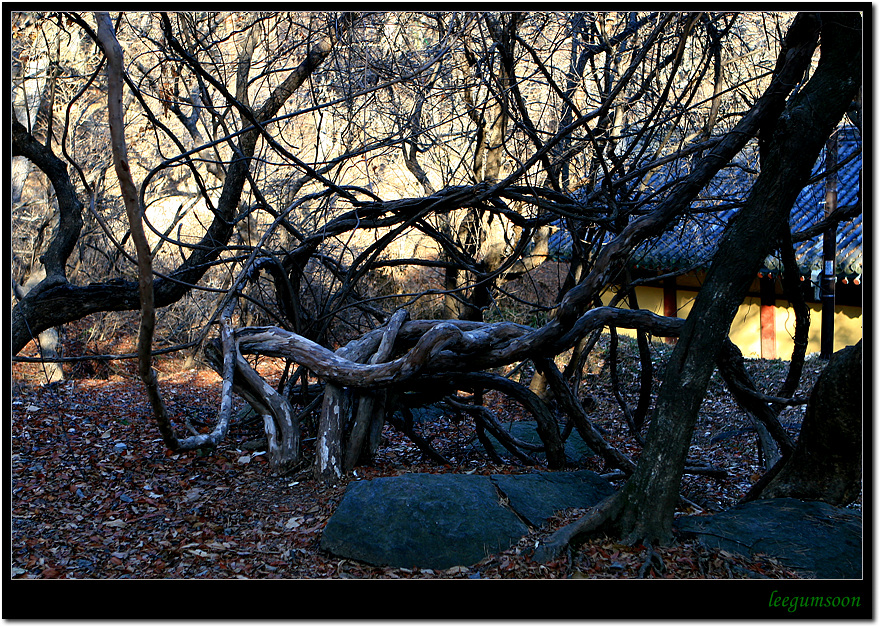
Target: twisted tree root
[
  {"x": 560, "y": 540},
  {"x": 652, "y": 561}
]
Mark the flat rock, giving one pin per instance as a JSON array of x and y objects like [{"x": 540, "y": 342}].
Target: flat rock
[
  {"x": 817, "y": 539},
  {"x": 536, "y": 497},
  {"x": 425, "y": 414},
  {"x": 527, "y": 431},
  {"x": 440, "y": 521}
]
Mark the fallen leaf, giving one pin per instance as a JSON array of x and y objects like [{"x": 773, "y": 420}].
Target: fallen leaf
[
  {"x": 199, "y": 552},
  {"x": 294, "y": 522}
]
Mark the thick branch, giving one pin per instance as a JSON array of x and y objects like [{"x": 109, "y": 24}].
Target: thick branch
[
  {"x": 730, "y": 365},
  {"x": 116, "y": 115},
  {"x": 369, "y": 402}
]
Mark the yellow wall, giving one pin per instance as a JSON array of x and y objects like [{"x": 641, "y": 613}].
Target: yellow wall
[
  {"x": 847, "y": 327},
  {"x": 746, "y": 328},
  {"x": 745, "y": 331}
]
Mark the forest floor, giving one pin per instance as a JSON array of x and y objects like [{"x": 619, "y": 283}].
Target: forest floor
[{"x": 95, "y": 494}]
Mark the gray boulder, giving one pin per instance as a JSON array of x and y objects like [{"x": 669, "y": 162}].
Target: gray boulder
[
  {"x": 815, "y": 538},
  {"x": 440, "y": 521},
  {"x": 425, "y": 414},
  {"x": 527, "y": 431},
  {"x": 536, "y": 497}
]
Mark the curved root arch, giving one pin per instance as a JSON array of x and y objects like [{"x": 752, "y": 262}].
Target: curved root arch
[{"x": 447, "y": 354}]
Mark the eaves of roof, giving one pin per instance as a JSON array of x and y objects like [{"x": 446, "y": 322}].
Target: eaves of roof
[{"x": 693, "y": 241}]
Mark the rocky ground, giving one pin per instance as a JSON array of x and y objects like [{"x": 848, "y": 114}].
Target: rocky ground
[{"x": 95, "y": 494}]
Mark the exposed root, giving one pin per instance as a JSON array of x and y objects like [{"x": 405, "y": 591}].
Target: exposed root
[
  {"x": 653, "y": 561},
  {"x": 405, "y": 427},
  {"x": 563, "y": 538}
]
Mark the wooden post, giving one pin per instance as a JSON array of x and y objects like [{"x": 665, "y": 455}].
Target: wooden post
[
  {"x": 829, "y": 250},
  {"x": 670, "y": 302},
  {"x": 768, "y": 316}
]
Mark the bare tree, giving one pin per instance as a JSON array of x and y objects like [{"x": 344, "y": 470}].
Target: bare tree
[
  {"x": 353, "y": 194},
  {"x": 643, "y": 509}
]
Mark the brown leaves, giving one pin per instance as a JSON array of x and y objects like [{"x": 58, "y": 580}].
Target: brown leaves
[{"x": 85, "y": 507}]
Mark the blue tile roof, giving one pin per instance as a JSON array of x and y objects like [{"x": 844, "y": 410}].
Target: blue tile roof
[{"x": 694, "y": 239}]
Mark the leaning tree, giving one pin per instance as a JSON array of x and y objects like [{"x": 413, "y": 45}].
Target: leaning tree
[
  {"x": 643, "y": 509},
  {"x": 355, "y": 194}
]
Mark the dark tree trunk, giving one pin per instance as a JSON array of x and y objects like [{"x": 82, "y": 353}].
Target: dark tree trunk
[
  {"x": 649, "y": 498},
  {"x": 826, "y": 464}
]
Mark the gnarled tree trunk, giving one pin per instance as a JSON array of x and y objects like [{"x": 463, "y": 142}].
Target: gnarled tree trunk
[{"x": 826, "y": 464}]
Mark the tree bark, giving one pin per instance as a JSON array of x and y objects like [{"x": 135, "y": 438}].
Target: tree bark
[
  {"x": 764, "y": 417},
  {"x": 35, "y": 104},
  {"x": 826, "y": 464},
  {"x": 328, "y": 450},
  {"x": 279, "y": 421},
  {"x": 370, "y": 414}
]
